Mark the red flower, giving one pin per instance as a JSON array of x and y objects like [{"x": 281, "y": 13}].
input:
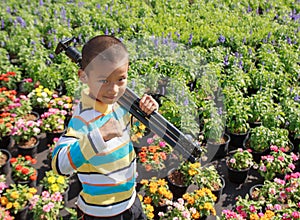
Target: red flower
[
  {"x": 19, "y": 167},
  {"x": 33, "y": 177},
  {"x": 25, "y": 171},
  {"x": 27, "y": 157},
  {"x": 13, "y": 160},
  {"x": 33, "y": 161}
]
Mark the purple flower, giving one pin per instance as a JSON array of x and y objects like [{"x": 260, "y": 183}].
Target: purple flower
[
  {"x": 186, "y": 102},
  {"x": 297, "y": 98},
  {"x": 249, "y": 9},
  {"x": 41, "y": 3},
  {"x": 2, "y": 24},
  {"x": 190, "y": 39},
  {"x": 221, "y": 39},
  {"x": 98, "y": 6},
  {"x": 106, "y": 31},
  {"x": 226, "y": 62}
]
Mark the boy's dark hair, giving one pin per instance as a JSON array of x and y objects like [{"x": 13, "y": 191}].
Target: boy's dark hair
[{"x": 103, "y": 47}]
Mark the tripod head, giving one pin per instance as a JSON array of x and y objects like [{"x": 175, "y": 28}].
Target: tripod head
[{"x": 70, "y": 51}]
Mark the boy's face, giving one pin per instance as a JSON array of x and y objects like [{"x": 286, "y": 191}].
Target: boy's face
[{"x": 107, "y": 81}]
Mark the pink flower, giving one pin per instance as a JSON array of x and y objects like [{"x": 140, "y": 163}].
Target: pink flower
[
  {"x": 272, "y": 191},
  {"x": 296, "y": 215},
  {"x": 282, "y": 149},
  {"x": 48, "y": 207},
  {"x": 162, "y": 144},
  {"x": 252, "y": 208},
  {"x": 277, "y": 207},
  {"x": 294, "y": 157},
  {"x": 45, "y": 195},
  {"x": 274, "y": 148},
  {"x": 56, "y": 197},
  {"x": 150, "y": 140},
  {"x": 281, "y": 158},
  {"x": 263, "y": 168},
  {"x": 232, "y": 160},
  {"x": 298, "y": 204},
  {"x": 279, "y": 181},
  {"x": 291, "y": 166},
  {"x": 282, "y": 195}
]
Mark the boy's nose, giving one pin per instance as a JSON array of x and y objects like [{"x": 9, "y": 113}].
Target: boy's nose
[{"x": 113, "y": 88}]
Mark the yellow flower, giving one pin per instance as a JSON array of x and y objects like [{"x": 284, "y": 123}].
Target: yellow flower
[
  {"x": 150, "y": 215},
  {"x": 29, "y": 195},
  {"x": 254, "y": 217},
  {"x": 54, "y": 188},
  {"x": 162, "y": 182},
  {"x": 139, "y": 135},
  {"x": 4, "y": 201},
  {"x": 142, "y": 127},
  {"x": 144, "y": 182},
  {"x": 15, "y": 195},
  {"x": 61, "y": 180},
  {"x": 149, "y": 208},
  {"x": 196, "y": 215},
  {"x": 32, "y": 190},
  {"x": 140, "y": 197},
  {"x": 39, "y": 94},
  {"x": 9, "y": 205},
  {"x": 192, "y": 172},
  {"x": 16, "y": 205},
  {"x": 51, "y": 179}
]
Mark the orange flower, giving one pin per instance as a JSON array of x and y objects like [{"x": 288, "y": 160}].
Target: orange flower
[
  {"x": 25, "y": 170},
  {"x": 33, "y": 177},
  {"x": 144, "y": 149},
  {"x": 142, "y": 154},
  {"x": 147, "y": 200},
  {"x": 144, "y": 160},
  {"x": 152, "y": 149}
]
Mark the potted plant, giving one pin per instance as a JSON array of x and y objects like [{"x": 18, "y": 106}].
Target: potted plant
[
  {"x": 53, "y": 123},
  {"x": 40, "y": 98},
  {"x": 157, "y": 193},
  {"x": 63, "y": 103},
  {"x": 259, "y": 104},
  {"x": 147, "y": 208},
  {"x": 200, "y": 202},
  {"x": 214, "y": 134},
  {"x": 5, "y": 214},
  {"x": 22, "y": 170},
  {"x": 53, "y": 183},
  {"x": 16, "y": 199},
  {"x": 182, "y": 177},
  {"x": 208, "y": 177},
  {"x": 7, "y": 97},
  {"x": 22, "y": 108},
  {"x": 137, "y": 131},
  {"x": 258, "y": 140},
  {"x": 153, "y": 157},
  {"x": 9, "y": 79},
  {"x": 25, "y": 133},
  {"x": 280, "y": 138},
  {"x": 278, "y": 162},
  {"x": 239, "y": 165},
  {"x": 46, "y": 206},
  {"x": 7, "y": 121}
]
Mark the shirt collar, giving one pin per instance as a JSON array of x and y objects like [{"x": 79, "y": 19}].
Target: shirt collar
[{"x": 89, "y": 102}]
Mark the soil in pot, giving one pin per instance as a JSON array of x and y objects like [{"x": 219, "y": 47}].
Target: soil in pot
[
  {"x": 176, "y": 183},
  {"x": 28, "y": 147}
]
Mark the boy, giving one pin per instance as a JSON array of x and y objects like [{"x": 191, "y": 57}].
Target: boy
[{"x": 97, "y": 143}]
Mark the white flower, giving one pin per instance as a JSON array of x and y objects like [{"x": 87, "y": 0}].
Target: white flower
[
  {"x": 39, "y": 100},
  {"x": 44, "y": 94}
]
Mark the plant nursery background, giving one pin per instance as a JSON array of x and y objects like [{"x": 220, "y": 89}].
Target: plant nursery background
[{"x": 215, "y": 67}]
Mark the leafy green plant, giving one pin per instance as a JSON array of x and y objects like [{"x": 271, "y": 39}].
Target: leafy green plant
[
  {"x": 260, "y": 139},
  {"x": 208, "y": 178},
  {"x": 240, "y": 160}
]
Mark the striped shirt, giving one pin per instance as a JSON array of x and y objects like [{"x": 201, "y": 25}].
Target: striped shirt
[{"x": 105, "y": 169}]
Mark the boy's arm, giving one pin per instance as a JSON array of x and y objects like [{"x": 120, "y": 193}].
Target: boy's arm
[{"x": 75, "y": 149}]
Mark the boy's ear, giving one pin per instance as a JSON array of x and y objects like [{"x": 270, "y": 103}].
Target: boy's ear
[{"x": 82, "y": 76}]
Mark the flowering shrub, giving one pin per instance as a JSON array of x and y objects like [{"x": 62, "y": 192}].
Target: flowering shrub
[
  {"x": 53, "y": 120},
  {"x": 156, "y": 191},
  {"x": 278, "y": 199},
  {"x": 175, "y": 210},
  {"x": 63, "y": 103},
  {"x": 200, "y": 203},
  {"x": 188, "y": 172},
  {"x": 7, "y": 97},
  {"x": 21, "y": 106},
  {"x": 54, "y": 182},
  {"x": 46, "y": 206},
  {"x": 152, "y": 157},
  {"x": 147, "y": 208},
  {"x": 6, "y": 124},
  {"x": 208, "y": 177},
  {"x": 9, "y": 79},
  {"x": 40, "y": 97},
  {"x": 17, "y": 197},
  {"x": 22, "y": 168},
  {"x": 137, "y": 131},
  {"x": 23, "y": 130},
  {"x": 241, "y": 159},
  {"x": 277, "y": 162}
]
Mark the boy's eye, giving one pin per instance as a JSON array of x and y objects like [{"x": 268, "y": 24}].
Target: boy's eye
[
  {"x": 103, "y": 81},
  {"x": 122, "y": 79}
]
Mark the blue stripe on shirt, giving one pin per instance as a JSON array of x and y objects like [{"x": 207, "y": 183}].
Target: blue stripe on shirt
[
  {"x": 103, "y": 190},
  {"x": 112, "y": 157},
  {"x": 77, "y": 157}
]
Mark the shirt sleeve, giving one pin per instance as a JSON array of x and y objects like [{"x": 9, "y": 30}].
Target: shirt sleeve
[{"x": 73, "y": 150}]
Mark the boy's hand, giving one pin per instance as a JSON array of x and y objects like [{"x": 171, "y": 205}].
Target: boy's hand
[
  {"x": 148, "y": 104},
  {"x": 112, "y": 128}
]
